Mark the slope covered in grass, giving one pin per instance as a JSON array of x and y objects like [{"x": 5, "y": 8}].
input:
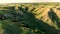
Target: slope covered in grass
[{"x": 30, "y": 18}]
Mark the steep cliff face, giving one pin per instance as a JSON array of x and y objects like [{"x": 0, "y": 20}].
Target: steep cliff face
[{"x": 38, "y": 18}]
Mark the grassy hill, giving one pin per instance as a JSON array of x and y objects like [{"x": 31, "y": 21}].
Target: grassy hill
[{"x": 30, "y": 18}]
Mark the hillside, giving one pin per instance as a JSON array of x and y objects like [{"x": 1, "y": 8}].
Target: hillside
[{"x": 30, "y": 18}]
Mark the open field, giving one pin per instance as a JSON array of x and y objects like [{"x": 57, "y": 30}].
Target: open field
[{"x": 30, "y": 18}]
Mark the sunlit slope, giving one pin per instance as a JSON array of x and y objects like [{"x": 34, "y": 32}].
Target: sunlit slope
[
  {"x": 39, "y": 9},
  {"x": 43, "y": 14},
  {"x": 48, "y": 13}
]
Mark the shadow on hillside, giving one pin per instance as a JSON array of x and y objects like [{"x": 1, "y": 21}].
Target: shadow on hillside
[
  {"x": 29, "y": 21},
  {"x": 46, "y": 28},
  {"x": 54, "y": 18}
]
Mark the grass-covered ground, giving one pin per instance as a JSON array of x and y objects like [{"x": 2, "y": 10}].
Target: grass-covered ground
[{"x": 30, "y": 18}]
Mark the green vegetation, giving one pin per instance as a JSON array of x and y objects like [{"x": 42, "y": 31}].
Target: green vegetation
[
  {"x": 18, "y": 22},
  {"x": 25, "y": 21}
]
